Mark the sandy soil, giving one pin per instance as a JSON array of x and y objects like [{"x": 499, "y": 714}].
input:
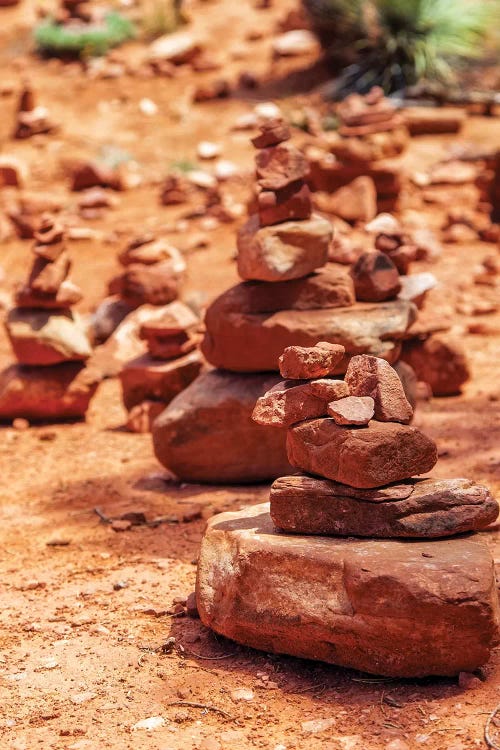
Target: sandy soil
[{"x": 86, "y": 621}]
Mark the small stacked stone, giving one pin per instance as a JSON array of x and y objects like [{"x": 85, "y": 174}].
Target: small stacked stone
[
  {"x": 283, "y": 240},
  {"x": 172, "y": 362},
  {"x": 31, "y": 119},
  {"x": 48, "y": 339},
  {"x": 354, "y": 438},
  {"x": 153, "y": 272},
  {"x": 370, "y": 137}
]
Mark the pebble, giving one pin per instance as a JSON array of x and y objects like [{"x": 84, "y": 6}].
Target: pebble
[
  {"x": 208, "y": 150},
  {"x": 152, "y": 722},
  {"x": 84, "y": 697},
  {"x": 267, "y": 110},
  {"x": 224, "y": 169},
  {"x": 148, "y": 107},
  {"x": 242, "y": 694},
  {"x": 469, "y": 681},
  {"x": 295, "y": 42},
  {"x": 20, "y": 424},
  {"x": 397, "y": 744},
  {"x": 316, "y": 726}
]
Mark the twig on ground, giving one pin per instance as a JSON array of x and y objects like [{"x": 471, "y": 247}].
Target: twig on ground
[
  {"x": 101, "y": 515},
  {"x": 210, "y": 658},
  {"x": 204, "y": 706},
  {"x": 489, "y": 740}
]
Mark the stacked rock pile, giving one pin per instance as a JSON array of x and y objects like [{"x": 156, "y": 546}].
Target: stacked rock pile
[
  {"x": 355, "y": 561},
  {"x": 31, "y": 119},
  {"x": 290, "y": 295},
  {"x": 372, "y": 134},
  {"x": 48, "y": 339},
  {"x": 150, "y": 381}
]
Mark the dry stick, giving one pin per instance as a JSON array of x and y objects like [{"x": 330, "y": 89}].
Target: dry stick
[
  {"x": 211, "y": 658},
  {"x": 489, "y": 740},
  {"x": 204, "y": 706}
]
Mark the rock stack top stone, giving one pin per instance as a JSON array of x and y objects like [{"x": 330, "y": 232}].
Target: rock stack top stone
[
  {"x": 365, "y": 115},
  {"x": 31, "y": 119},
  {"x": 371, "y": 376},
  {"x": 172, "y": 335}
]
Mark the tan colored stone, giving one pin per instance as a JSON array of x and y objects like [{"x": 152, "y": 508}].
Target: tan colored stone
[
  {"x": 400, "y": 609},
  {"x": 299, "y": 362},
  {"x": 47, "y": 337},
  {"x": 416, "y": 509},
  {"x": 66, "y": 296},
  {"x": 372, "y": 376},
  {"x": 284, "y": 251},
  {"x": 372, "y": 456},
  {"x": 352, "y": 410}
]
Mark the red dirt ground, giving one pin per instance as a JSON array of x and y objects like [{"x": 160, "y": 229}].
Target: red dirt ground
[{"x": 84, "y": 609}]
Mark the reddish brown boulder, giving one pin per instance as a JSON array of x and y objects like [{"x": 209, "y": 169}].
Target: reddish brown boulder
[
  {"x": 401, "y": 609},
  {"x": 416, "y": 509},
  {"x": 173, "y": 334},
  {"x": 375, "y": 277},
  {"x": 303, "y": 363},
  {"x": 207, "y": 433},
  {"x": 372, "y": 376},
  {"x": 89, "y": 174},
  {"x": 272, "y": 132},
  {"x": 291, "y": 203},
  {"x": 148, "y": 379},
  {"x": 371, "y": 456},
  {"x": 278, "y": 166},
  {"x": 59, "y": 392},
  {"x": 352, "y": 410},
  {"x": 438, "y": 360}
]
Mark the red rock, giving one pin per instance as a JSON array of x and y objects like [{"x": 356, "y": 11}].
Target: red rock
[
  {"x": 218, "y": 89},
  {"x": 375, "y": 277},
  {"x": 47, "y": 276},
  {"x": 288, "y": 403},
  {"x": 139, "y": 284},
  {"x": 434, "y": 120},
  {"x": 409, "y": 381},
  {"x": 356, "y": 201},
  {"x": 278, "y": 166},
  {"x": 302, "y": 363},
  {"x": 379, "y": 606},
  {"x": 47, "y": 337},
  {"x": 89, "y": 175},
  {"x": 207, "y": 434},
  {"x": 353, "y": 410},
  {"x": 141, "y": 417},
  {"x": 439, "y": 360},
  {"x": 151, "y": 251},
  {"x": 328, "y": 287},
  {"x": 272, "y": 132},
  {"x": 59, "y": 392},
  {"x": 372, "y": 456},
  {"x": 13, "y": 172},
  {"x": 147, "y": 379},
  {"x": 282, "y": 252},
  {"x": 428, "y": 508},
  {"x": 291, "y": 203},
  {"x": 372, "y": 376},
  {"x": 253, "y": 342},
  {"x": 172, "y": 335}
]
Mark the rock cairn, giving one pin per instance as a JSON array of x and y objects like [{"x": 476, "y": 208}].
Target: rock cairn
[
  {"x": 322, "y": 572},
  {"x": 150, "y": 381},
  {"x": 49, "y": 341},
  {"x": 290, "y": 294},
  {"x": 31, "y": 119},
  {"x": 371, "y": 135}
]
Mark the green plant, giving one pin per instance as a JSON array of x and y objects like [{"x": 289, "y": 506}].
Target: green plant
[
  {"x": 401, "y": 42},
  {"x": 161, "y": 17},
  {"x": 83, "y": 40}
]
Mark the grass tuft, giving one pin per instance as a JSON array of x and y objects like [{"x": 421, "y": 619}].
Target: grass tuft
[{"x": 82, "y": 40}]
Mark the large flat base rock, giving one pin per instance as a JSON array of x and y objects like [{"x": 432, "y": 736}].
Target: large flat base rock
[
  {"x": 246, "y": 342},
  {"x": 207, "y": 434},
  {"x": 428, "y": 508},
  {"x": 396, "y": 608},
  {"x": 50, "y": 393}
]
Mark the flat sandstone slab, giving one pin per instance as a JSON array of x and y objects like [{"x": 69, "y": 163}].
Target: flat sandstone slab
[
  {"x": 428, "y": 508},
  {"x": 246, "y": 342},
  {"x": 402, "y": 609}
]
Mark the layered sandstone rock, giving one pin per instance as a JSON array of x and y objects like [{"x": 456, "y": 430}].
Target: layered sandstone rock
[{"x": 401, "y": 609}]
